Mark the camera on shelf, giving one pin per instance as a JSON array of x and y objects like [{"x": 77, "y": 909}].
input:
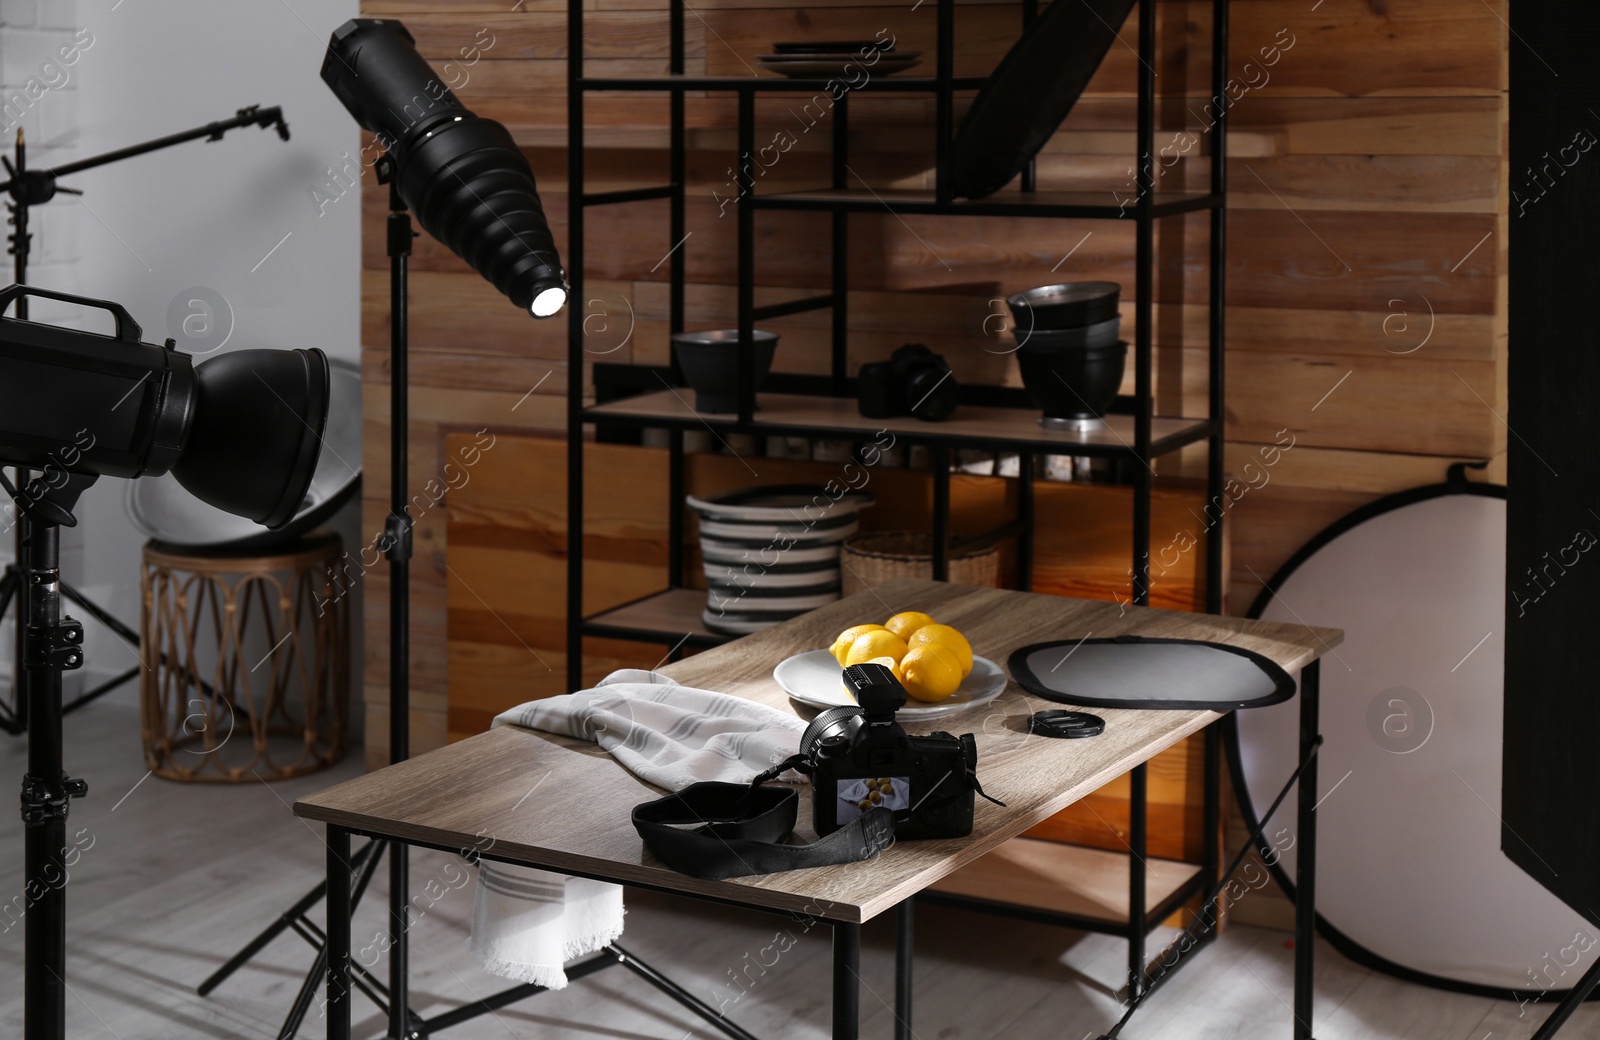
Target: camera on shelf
[
  {"x": 860, "y": 758},
  {"x": 914, "y": 381}
]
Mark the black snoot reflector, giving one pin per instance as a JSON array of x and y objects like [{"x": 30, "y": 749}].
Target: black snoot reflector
[{"x": 464, "y": 176}]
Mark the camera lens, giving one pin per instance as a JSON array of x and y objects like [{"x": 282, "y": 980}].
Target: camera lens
[{"x": 829, "y": 730}]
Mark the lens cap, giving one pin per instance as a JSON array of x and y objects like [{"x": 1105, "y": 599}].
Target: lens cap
[{"x": 1066, "y": 725}]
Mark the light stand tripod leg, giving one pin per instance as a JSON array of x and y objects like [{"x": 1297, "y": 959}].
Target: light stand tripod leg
[
  {"x": 1569, "y": 1003},
  {"x": 128, "y": 635},
  {"x": 676, "y": 992},
  {"x": 97, "y": 612},
  {"x": 13, "y": 716},
  {"x": 306, "y": 994},
  {"x": 90, "y": 696},
  {"x": 282, "y": 924},
  {"x": 358, "y": 976}
]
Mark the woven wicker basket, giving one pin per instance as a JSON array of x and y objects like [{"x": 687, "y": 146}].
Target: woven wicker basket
[{"x": 869, "y": 560}]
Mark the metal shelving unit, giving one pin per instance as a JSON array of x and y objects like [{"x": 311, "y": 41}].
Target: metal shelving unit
[{"x": 825, "y": 408}]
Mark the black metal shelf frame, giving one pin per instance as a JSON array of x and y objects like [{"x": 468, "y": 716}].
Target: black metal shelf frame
[
  {"x": 839, "y": 202},
  {"x": 1197, "y": 431}
]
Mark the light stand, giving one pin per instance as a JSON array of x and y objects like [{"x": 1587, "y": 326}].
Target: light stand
[
  {"x": 28, "y": 188},
  {"x": 51, "y": 645},
  {"x": 240, "y": 432},
  {"x": 472, "y": 189},
  {"x": 397, "y": 548}
]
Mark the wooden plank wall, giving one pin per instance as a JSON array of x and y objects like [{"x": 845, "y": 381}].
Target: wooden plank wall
[{"x": 1366, "y": 249}]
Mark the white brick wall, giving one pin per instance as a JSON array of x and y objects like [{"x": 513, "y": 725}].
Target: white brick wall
[
  {"x": 37, "y": 84},
  {"x": 32, "y": 32},
  {"x": 196, "y": 215}
]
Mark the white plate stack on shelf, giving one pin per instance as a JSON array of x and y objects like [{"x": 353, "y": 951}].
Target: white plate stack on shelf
[
  {"x": 837, "y": 59},
  {"x": 772, "y": 553}
]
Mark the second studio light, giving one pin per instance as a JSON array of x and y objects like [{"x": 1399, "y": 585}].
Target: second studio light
[{"x": 464, "y": 176}]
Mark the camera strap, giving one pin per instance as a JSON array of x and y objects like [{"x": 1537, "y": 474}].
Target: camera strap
[{"x": 743, "y": 827}]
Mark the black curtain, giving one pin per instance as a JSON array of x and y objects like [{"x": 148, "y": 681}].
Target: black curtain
[{"x": 1551, "y": 772}]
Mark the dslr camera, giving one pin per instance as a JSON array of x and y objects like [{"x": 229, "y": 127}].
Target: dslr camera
[
  {"x": 914, "y": 381},
  {"x": 859, "y": 758}
]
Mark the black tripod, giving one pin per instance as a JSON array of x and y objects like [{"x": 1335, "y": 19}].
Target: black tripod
[
  {"x": 28, "y": 188},
  {"x": 50, "y": 645}
]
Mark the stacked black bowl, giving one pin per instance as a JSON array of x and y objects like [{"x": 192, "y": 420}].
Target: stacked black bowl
[{"x": 1069, "y": 351}]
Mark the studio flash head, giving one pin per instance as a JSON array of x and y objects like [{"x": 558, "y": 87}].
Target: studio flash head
[
  {"x": 241, "y": 431},
  {"x": 464, "y": 176}
]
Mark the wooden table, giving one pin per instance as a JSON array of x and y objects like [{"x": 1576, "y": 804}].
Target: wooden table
[{"x": 578, "y": 821}]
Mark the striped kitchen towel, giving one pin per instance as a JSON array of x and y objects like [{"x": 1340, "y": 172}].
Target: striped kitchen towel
[{"x": 528, "y": 923}]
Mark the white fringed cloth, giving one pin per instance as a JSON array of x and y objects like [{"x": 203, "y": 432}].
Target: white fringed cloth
[{"x": 527, "y": 923}]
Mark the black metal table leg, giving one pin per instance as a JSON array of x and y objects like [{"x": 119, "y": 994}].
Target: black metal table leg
[
  {"x": 1138, "y": 923},
  {"x": 904, "y": 953},
  {"x": 1305, "y": 903},
  {"x": 338, "y": 928},
  {"x": 846, "y": 981},
  {"x": 364, "y": 863}
]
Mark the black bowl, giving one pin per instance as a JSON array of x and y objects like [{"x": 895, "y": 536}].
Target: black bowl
[
  {"x": 1070, "y": 305},
  {"x": 1097, "y": 336},
  {"x": 1073, "y": 385},
  {"x": 710, "y": 363}
]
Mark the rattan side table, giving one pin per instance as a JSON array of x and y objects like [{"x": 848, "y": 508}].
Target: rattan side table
[{"x": 246, "y": 661}]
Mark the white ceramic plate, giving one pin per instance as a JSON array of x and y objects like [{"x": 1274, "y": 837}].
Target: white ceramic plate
[{"x": 815, "y": 679}]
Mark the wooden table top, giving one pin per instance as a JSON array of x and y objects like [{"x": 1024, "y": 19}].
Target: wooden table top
[{"x": 564, "y": 804}]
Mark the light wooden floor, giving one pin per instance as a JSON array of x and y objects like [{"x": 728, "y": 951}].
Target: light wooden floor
[{"x": 179, "y": 876}]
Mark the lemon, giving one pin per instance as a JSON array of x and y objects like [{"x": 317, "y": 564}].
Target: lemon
[
  {"x": 875, "y": 644},
  {"x": 904, "y": 624},
  {"x": 947, "y": 637},
  {"x": 930, "y": 672},
  {"x": 841, "y": 646}
]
